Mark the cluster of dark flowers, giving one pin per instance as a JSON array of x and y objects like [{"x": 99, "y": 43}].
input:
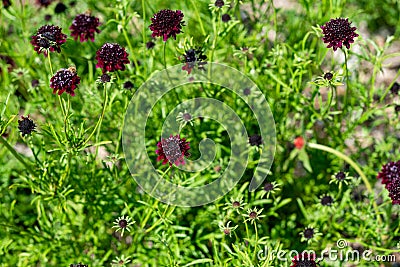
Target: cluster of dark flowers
[{"x": 390, "y": 175}]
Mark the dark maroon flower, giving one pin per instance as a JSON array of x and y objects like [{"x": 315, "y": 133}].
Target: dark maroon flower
[
  {"x": 60, "y": 8},
  {"x": 150, "y": 44},
  {"x": 390, "y": 175},
  {"x": 394, "y": 191},
  {"x": 111, "y": 57},
  {"x": 219, "y": 3},
  {"x": 84, "y": 27},
  {"x": 35, "y": 83},
  {"x": 192, "y": 58},
  {"x": 308, "y": 233},
  {"x": 128, "y": 85},
  {"x": 246, "y": 91},
  {"x": 397, "y": 108},
  {"x": 390, "y": 172},
  {"x": 65, "y": 80},
  {"x": 166, "y": 23},
  {"x": 255, "y": 140},
  {"x": 328, "y": 76},
  {"x": 26, "y": 126},
  {"x": 9, "y": 61},
  {"x": 48, "y": 38},
  {"x": 326, "y": 200},
  {"x": 6, "y": 3},
  {"x": 268, "y": 187},
  {"x": 105, "y": 78},
  {"x": 78, "y": 265},
  {"x": 173, "y": 150},
  {"x": 340, "y": 176},
  {"x": 44, "y": 3},
  {"x": 395, "y": 88},
  {"x": 226, "y": 17},
  {"x": 304, "y": 260},
  {"x": 338, "y": 32},
  {"x": 47, "y": 17}
]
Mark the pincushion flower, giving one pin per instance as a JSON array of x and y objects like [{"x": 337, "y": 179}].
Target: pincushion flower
[
  {"x": 173, "y": 150},
  {"x": 338, "y": 32},
  {"x": 65, "y": 80},
  {"x": 111, "y": 57},
  {"x": 26, "y": 126},
  {"x": 48, "y": 38},
  {"x": 192, "y": 58},
  {"x": 44, "y": 3},
  {"x": 304, "y": 260},
  {"x": 84, "y": 27},
  {"x": 166, "y": 23},
  {"x": 390, "y": 175}
]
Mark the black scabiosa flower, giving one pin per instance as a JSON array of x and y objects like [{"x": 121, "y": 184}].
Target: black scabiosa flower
[
  {"x": 304, "y": 260},
  {"x": 150, "y": 45},
  {"x": 6, "y": 3},
  {"x": 226, "y": 17},
  {"x": 390, "y": 172},
  {"x": 84, "y": 27},
  {"x": 105, "y": 78},
  {"x": 253, "y": 214},
  {"x": 255, "y": 140},
  {"x": 226, "y": 229},
  {"x": 128, "y": 85},
  {"x": 394, "y": 191},
  {"x": 44, "y": 3},
  {"x": 60, "y": 8},
  {"x": 123, "y": 223},
  {"x": 219, "y": 3},
  {"x": 395, "y": 88},
  {"x": 338, "y": 32},
  {"x": 326, "y": 200},
  {"x": 26, "y": 126},
  {"x": 310, "y": 234},
  {"x": 65, "y": 80},
  {"x": 270, "y": 188},
  {"x": 328, "y": 76},
  {"x": 173, "y": 150},
  {"x": 192, "y": 58},
  {"x": 167, "y": 23},
  {"x": 390, "y": 175},
  {"x": 48, "y": 38},
  {"x": 111, "y": 57},
  {"x": 78, "y": 265}
]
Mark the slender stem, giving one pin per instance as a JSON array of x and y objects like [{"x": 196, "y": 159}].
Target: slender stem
[
  {"x": 130, "y": 48},
  {"x": 16, "y": 155},
  {"x": 101, "y": 116},
  {"x": 164, "y": 54},
  {"x": 255, "y": 245},
  {"x": 144, "y": 23},
  {"x": 352, "y": 164},
  {"x": 348, "y": 89},
  {"x": 198, "y": 15}
]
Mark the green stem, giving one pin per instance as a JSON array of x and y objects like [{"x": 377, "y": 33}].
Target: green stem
[
  {"x": 255, "y": 245},
  {"x": 130, "y": 49},
  {"x": 198, "y": 15},
  {"x": 352, "y": 164},
  {"x": 144, "y": 23},
  {"x": 101, "y": 116},
  {"x": 348, "y": 89},
  {"x": 16, "y": 155}
]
